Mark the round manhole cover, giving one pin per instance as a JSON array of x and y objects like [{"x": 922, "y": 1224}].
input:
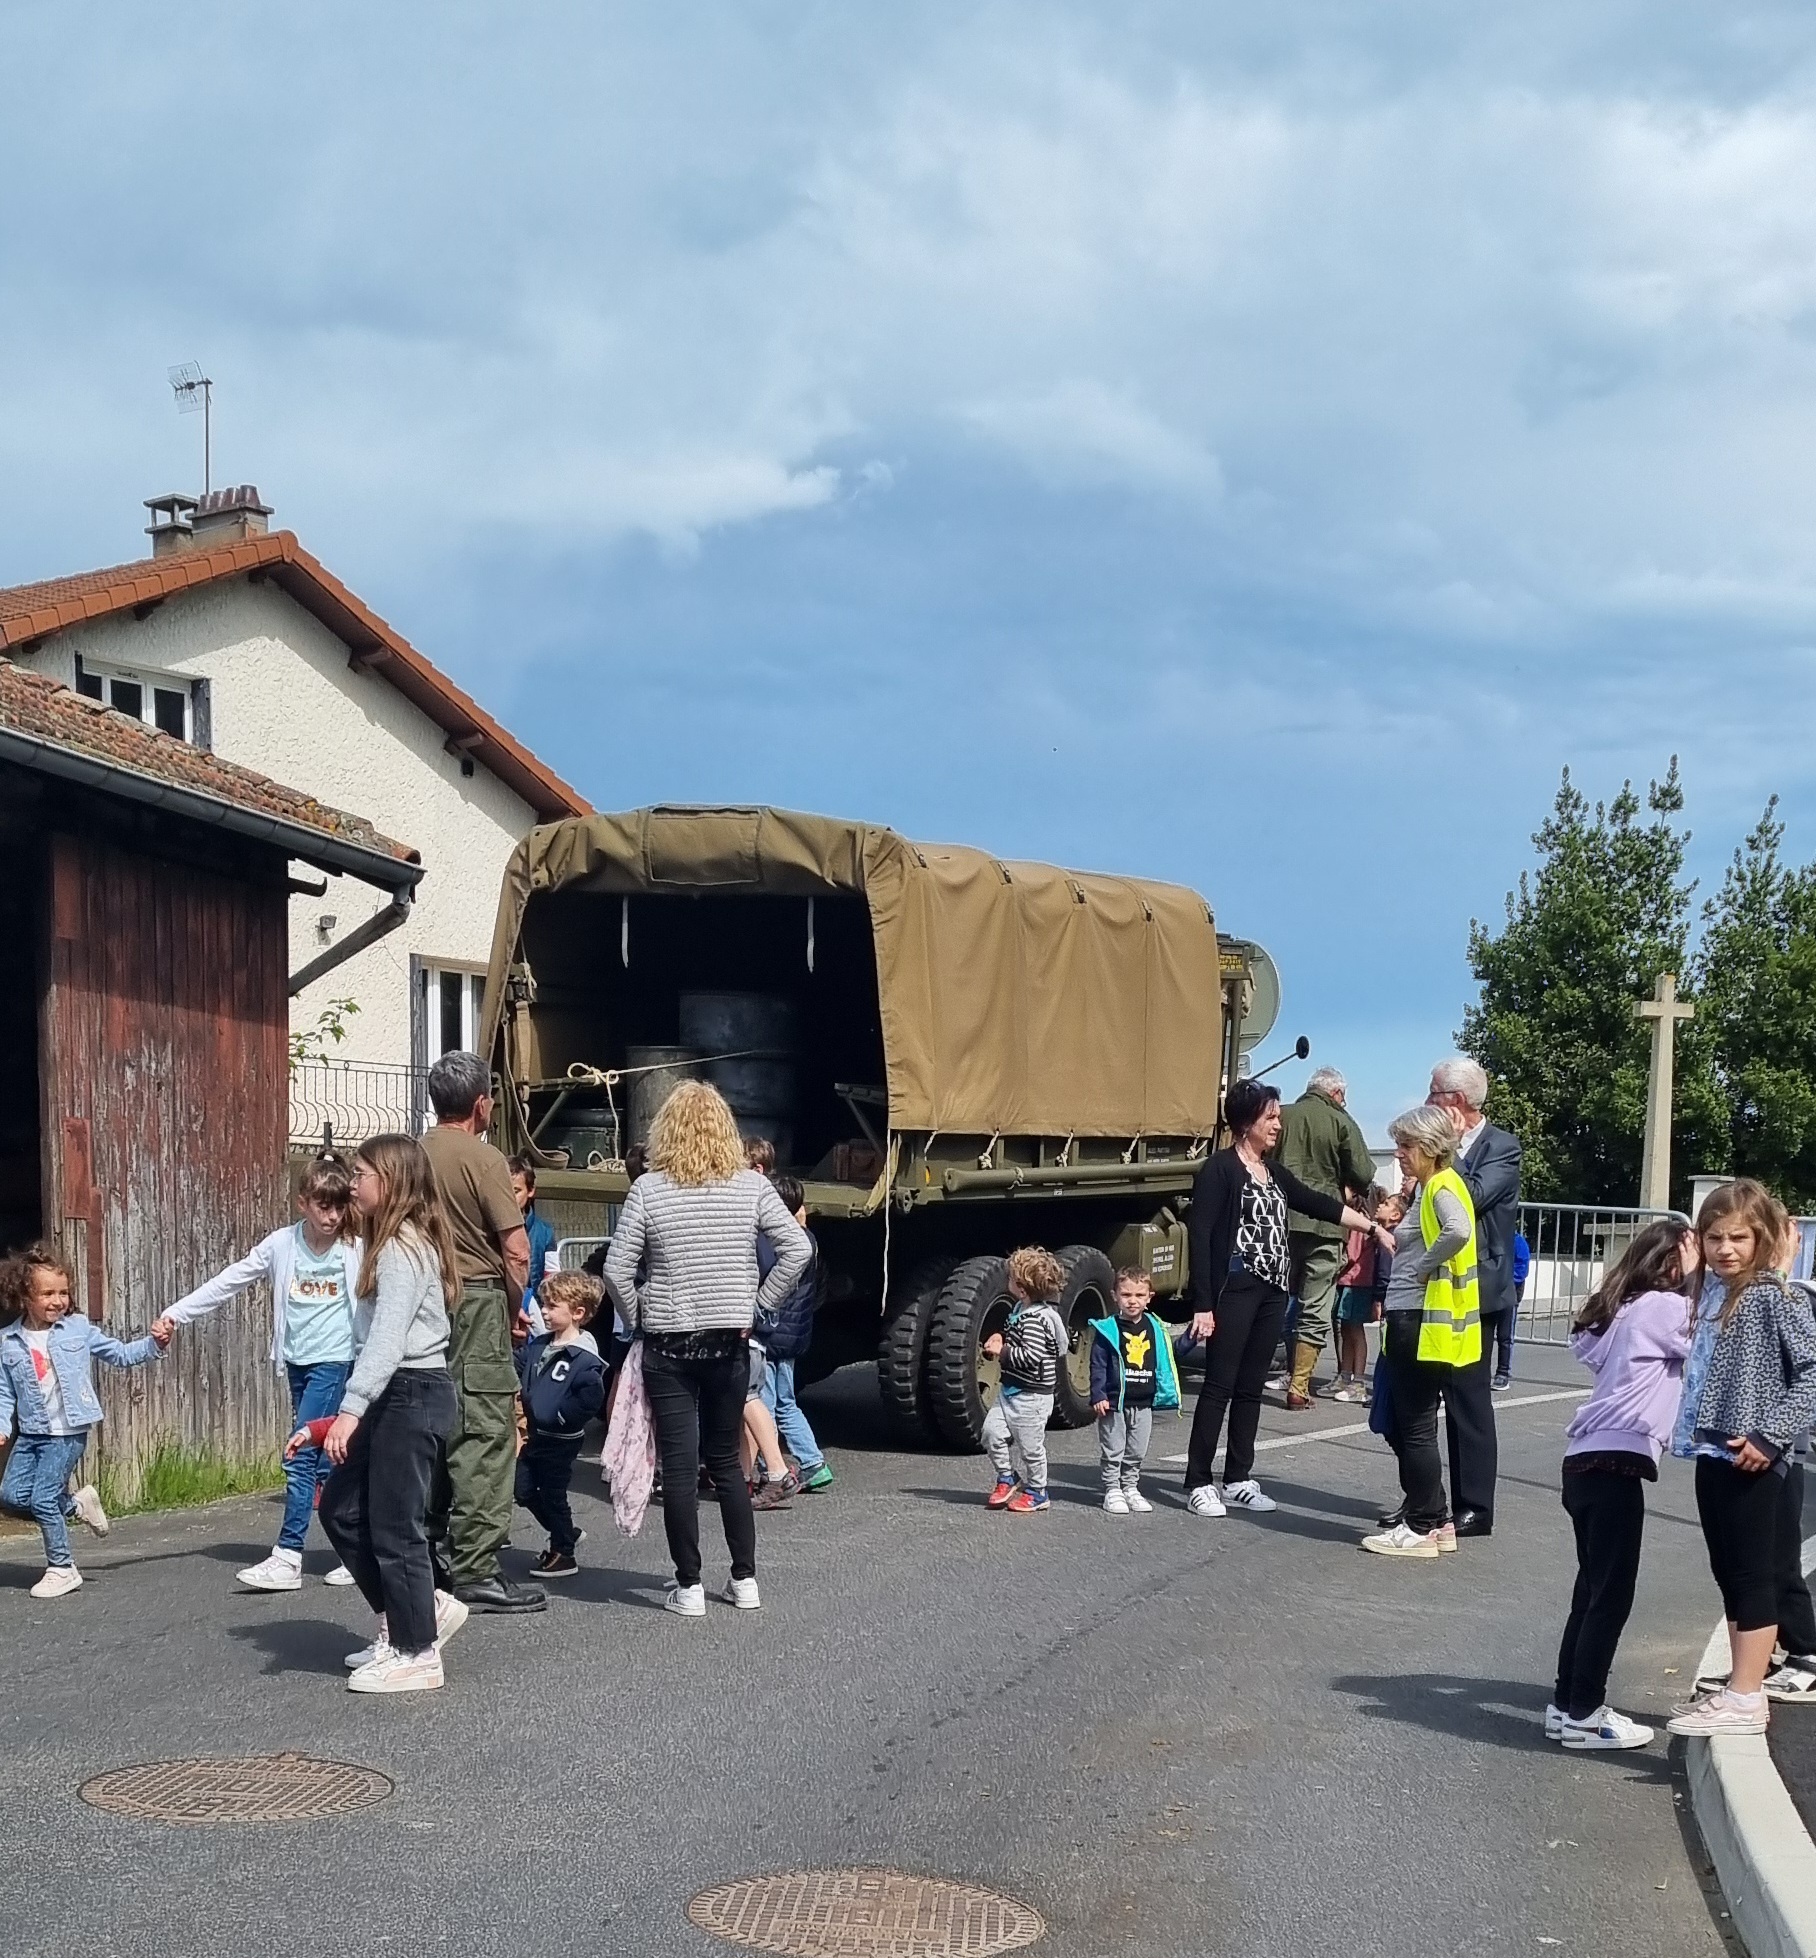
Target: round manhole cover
[
  {"x": 256, "y": 1788},
  {"x": 865, "y": 1914}
]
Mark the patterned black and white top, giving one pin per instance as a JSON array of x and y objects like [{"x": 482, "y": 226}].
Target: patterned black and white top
[{"x": 1261, "y": 1232}]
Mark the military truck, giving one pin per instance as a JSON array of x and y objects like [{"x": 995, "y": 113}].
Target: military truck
[{"x": 956, "y": 1054}]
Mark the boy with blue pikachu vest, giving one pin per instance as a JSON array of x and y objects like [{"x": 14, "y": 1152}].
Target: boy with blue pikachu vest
[{"x": 1132, "y": 1373}]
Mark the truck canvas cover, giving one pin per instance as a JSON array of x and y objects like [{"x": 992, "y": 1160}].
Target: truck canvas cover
[{"x": 1015, "y": 998}]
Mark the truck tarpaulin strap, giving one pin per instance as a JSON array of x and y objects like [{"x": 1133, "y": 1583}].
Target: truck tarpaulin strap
[{"x": 1015, "y": 997}]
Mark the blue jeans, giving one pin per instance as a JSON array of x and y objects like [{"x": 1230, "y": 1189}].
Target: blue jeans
[
  {"x": 315, "y": 1393},
  {"x": 791, "y": 1423},
  {"x": 36, "y": 1484}
]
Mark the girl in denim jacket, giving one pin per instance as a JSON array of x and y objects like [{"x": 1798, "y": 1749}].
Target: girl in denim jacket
[{"x": 47, "y": 1356}]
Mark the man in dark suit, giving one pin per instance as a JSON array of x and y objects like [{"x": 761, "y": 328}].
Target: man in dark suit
[{"x": 1488, "y": 1160}]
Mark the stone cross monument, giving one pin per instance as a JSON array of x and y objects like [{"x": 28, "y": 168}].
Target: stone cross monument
[{"x": 1664, "y": 1009}]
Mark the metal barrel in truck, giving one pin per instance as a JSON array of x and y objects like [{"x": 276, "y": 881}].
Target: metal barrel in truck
[{"x": 955, "y": 1053}]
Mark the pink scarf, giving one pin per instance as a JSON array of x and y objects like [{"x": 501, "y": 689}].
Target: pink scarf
[{"x": 629, "y": 1460}]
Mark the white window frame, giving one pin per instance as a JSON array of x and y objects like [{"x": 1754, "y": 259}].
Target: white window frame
[
  {"x": 427, "y": 1006},
  {"x": 105, "y": 676}
]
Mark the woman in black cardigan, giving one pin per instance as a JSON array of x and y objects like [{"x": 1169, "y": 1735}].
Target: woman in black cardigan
[{"x": 1239, "y": 1279}]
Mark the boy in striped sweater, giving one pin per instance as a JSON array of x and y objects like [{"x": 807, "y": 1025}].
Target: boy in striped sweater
[{"x": 1030, "y": 1348}]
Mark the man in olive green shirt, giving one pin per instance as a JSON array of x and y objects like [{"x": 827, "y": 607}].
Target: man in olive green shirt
[
  {"x": 470, "y": 1513},
  {"x": 1322, "y": 1143}
]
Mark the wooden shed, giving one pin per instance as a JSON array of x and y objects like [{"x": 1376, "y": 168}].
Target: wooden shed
[{"x": 144, "y": 1038}]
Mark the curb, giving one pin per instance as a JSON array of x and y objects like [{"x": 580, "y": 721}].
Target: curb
[{"x": 1762, "y": 1853}]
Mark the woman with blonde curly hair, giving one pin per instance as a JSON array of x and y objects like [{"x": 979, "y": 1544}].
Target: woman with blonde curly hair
[{"x": 682, "y": 1268}]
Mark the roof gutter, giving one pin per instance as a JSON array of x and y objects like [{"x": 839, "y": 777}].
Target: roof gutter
[{"x": 299, "y": 840}]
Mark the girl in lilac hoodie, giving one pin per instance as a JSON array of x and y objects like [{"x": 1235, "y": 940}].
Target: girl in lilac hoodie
[{"x": 1633, "y": 1335}]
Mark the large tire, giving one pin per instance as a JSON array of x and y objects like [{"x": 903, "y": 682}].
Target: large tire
[
  {"x": 1089, "y": 1293},
  {"x": 901, "y": 1359},
  {"x": 961, "y": 1383}
]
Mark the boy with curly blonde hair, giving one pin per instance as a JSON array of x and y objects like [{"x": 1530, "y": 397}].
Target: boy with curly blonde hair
[{"x": 1031, "y": 1348}]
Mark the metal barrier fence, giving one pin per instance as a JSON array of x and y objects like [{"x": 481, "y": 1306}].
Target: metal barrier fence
[
  {"x": 1572, "y": 1245},
  {"x": 357, "y": 1099}
]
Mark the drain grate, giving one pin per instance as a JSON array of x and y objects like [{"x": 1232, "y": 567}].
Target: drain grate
[
  {"x": 865, "y": 1914},
  {"x": 256, "y": 1788}
]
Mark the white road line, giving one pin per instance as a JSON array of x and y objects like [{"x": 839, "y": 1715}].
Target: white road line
[{"x": 1361, "y": 1427}]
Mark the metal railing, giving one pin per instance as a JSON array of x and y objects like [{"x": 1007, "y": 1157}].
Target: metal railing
[
  {"x": 1572, "y": 1245},
  {"x": 356, "y": 1098}
]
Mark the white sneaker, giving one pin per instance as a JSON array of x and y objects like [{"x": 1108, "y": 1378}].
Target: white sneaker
[
  {"x": 450, "y": 1615},
  {"x": 339, "y": 1576},
  {"x": 1403, "y": 1541},
  {"x": 1722, "y": 1713},
  {"x": 58, "y": 1582},
  {"x": 1115, "y": 1503},
  {"x": 399, "y": 1672},
  {"x": 1555, "y": 1717},
  {"x": 381, "y": 1644},
  {"x": 1795, "y": 1680},
  {"x": 686, "y": 1600},
  {"x": 1203, "y": 1501},
  {"x": 1138, "y": 1504},
  {"x": 281, "y": 1571},
  {"x": 88, "y": 1509},
  {"x": 1247, "y": 1495},
  {"x": 1604, "y": 1729},
  {"x": 1277, "y": 1383},
  {"x": 742, "y": 1591}
]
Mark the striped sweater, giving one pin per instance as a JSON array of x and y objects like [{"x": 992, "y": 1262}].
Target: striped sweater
[{"x": 684, "y": 1258}]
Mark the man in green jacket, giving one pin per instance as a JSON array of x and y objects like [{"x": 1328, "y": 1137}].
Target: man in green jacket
[{"x": 1323, "y": 1145}]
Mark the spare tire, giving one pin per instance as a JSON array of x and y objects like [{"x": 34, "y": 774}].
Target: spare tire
[
  {"x": 901, "y": 1357},
  {"x": 1089, "y": 1293},
  {"x": 961, "y": 1383}
]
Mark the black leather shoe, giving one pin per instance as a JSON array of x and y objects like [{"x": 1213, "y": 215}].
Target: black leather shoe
[
  {"x": 1389, "y": 1517},
  {"x": 1474, "y": 1522},
  {"x": 501, "y": 1594}
]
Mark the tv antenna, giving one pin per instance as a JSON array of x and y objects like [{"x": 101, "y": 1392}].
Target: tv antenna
[{"x": 195, "y": 390}]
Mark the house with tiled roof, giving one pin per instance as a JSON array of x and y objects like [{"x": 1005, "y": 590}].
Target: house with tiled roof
[{"x": 231, "y": 639}]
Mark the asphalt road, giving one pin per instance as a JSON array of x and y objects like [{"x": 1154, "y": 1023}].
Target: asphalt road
[{"x": 1169, "y": 1736}]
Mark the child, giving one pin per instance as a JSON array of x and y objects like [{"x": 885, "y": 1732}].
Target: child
[
  {"x": 787, "y": 1341},
  {"x": 1132, "y": 1373},
  {"x": 1749, "y": 1390},
  {"x": 1504, "y": 1322},
  {"x": 563, "y": 1388},
  {"x": 311, "y": 1266},
  {"x": 1362, "y": 1289},
  {"x": 1030, "y": 1348},
  {"x": 1633, "y": 1334},
  {"x": 46, "y": 1376}
]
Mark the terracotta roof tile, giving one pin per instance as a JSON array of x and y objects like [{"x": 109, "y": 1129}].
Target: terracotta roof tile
[
  {"x": 32, "y": 704},
  {"x": 29, "y": 612}
]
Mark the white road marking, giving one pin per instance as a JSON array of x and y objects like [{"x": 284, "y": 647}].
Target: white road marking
[{"x": 1362, "y": 1428}]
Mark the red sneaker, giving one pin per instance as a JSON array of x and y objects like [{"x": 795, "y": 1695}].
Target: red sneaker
[
  {"x": 1002, "y": 1494},
  {"x": 1029, "y": 1502}
]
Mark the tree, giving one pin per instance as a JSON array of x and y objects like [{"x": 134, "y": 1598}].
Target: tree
[
  {"x": 1587, "y": 934},
  {"x": 1755, "y": 1032}
]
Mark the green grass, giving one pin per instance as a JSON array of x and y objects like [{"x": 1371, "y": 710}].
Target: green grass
[{"x": 182, "y": 1478}]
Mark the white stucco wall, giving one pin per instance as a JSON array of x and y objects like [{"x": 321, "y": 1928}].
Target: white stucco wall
[{"x": 284, "y": 700}]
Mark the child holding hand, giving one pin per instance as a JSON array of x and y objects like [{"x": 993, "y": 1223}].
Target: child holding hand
[
  {"x": 1030, "y": 1348},
  {"x": 47, "y": 1355},
  {"x": 1132, "y": 1373}
]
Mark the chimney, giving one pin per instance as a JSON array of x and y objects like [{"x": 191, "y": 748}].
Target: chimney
[
  {"x": 170, "y": 526},
  {"x": 228, "y": 516}
]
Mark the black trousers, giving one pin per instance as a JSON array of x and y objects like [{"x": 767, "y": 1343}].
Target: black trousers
[
  {"x": 1497, "y": 1336},
  {"x": 1796, "y": 1618},
  {"x": 1418, "y": 1386},
  {"x": 698, "y": 1409},
  {"x": 1608, "y": 1512},
  {"x": 375, "y": 1504},
  {"x": 545, "y": 1471},
  {"x": 1739, "y": 1514},
  {"x": 1249, "y": 1318},
  {"x": 1470, "y": 1436}
]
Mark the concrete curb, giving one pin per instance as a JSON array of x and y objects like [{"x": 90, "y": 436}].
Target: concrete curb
[{"x": 1756, "y": 1839}]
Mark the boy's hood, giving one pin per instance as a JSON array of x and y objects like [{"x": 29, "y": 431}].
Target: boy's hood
[{"x": 582, "y": 1338}]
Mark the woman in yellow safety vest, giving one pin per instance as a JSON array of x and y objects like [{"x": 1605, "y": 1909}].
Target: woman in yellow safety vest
[{"x": 1433, "y": 1323}]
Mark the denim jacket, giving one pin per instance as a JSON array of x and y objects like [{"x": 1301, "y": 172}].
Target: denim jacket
[{"x": 76, "y": 1342}]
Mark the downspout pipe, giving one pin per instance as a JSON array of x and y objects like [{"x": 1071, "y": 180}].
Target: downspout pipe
[{"x": 381, "y": 924}]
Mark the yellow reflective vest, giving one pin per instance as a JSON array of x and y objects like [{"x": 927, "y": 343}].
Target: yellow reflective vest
[{"x": 1450, "y": 1327}]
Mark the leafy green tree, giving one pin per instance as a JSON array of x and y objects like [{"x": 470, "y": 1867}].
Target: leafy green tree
[
  {"x": 1587, "y": 934},
  {"x": 1755, "y": 1031}
]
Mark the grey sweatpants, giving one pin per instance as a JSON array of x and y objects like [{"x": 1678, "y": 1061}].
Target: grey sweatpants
[
  {"x": 1018, "y": 1423},
  {"x": 1122, "y": 1445}
]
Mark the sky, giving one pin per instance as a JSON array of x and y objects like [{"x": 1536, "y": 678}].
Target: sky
[{"x": 1256, "y": 447}]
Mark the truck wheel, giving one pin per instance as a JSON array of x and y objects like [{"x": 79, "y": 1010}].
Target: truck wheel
[
  {"x": 901, "y": 1358},
  {"x": 1089, "y": 1293},
  {"x": 961, "y": 1383}
]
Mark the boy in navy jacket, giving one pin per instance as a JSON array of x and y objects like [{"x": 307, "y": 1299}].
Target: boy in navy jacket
[{"x": 563, "y": 1381}]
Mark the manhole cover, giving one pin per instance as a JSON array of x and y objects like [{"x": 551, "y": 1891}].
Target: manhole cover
[
  {"x": 258, "y": 1788},
  {"x": 864, "y": 1914}
]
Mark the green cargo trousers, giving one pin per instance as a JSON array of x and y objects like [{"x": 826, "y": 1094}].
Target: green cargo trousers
[
  {"x": 470, "y": 1513},
  {"x": 1315, "y": 1264}
]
